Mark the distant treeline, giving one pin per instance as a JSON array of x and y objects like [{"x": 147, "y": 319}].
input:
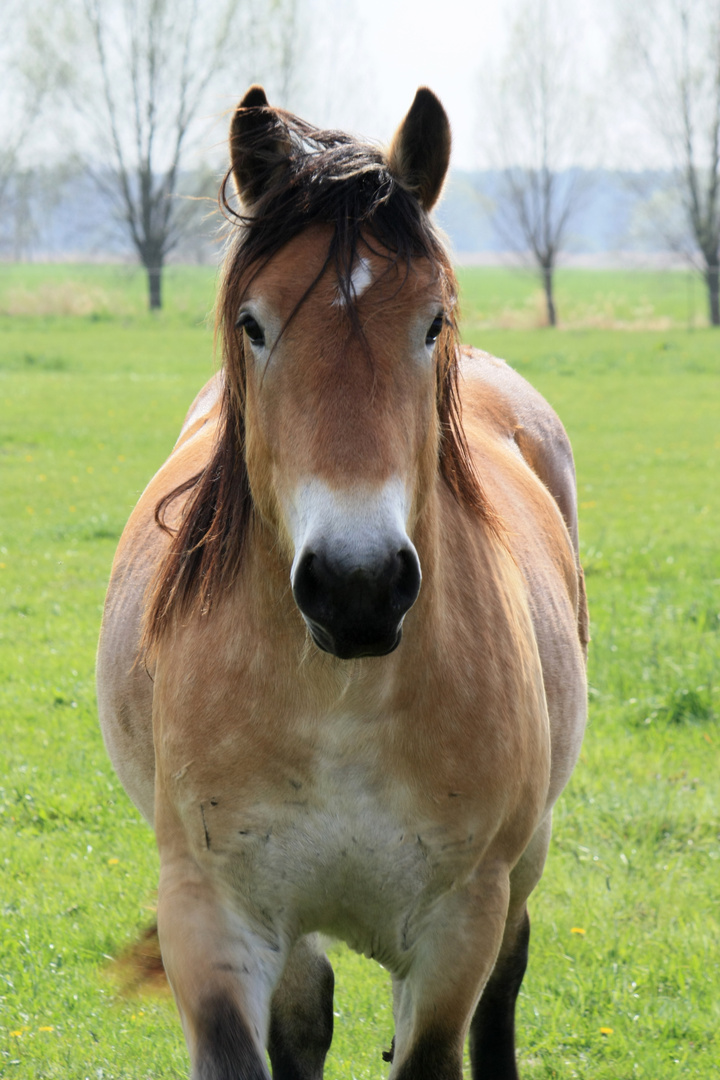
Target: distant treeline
[
  {"x": 613, "y": 214},
  {"x": 55, "y": 217}
]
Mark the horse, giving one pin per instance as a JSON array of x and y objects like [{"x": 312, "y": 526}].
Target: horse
[{"x": 341, "y": 669}]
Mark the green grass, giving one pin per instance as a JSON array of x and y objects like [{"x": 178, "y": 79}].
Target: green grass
[{"x": 90, "y": 406}]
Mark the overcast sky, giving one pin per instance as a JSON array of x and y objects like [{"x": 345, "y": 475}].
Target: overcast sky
[
  {"x": 367, "y": 59},
  {"x": 442, "y": 44},
  {"x": 359, "y": 63}
]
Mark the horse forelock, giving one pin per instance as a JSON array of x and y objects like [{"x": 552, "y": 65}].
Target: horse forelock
[{"x": 332, "y": 180}]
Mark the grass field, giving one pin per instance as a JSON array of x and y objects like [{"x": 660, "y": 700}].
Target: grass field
[{"x": 623, "y": 978}]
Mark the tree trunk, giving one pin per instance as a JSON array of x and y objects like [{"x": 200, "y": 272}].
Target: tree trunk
[
  {"x": 712, "y": 277},
  {"x": 155, "y": 285},
  {"x": 548, "y": 283}
]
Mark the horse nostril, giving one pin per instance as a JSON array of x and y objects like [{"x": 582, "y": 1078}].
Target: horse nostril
[
  {"x": 307, "y": 584},
  {"x": 406, "y": 579}
]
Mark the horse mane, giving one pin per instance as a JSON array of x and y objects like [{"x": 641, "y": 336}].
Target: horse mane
[{"x": 327, "y": 178}]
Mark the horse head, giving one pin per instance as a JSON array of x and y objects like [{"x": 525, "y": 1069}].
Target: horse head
[
  {"x": 337, "y": 312},
  {"x": 339, "y": 336}
]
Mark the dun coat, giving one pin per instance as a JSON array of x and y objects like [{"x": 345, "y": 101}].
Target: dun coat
[{"x": 341, "y": 669}]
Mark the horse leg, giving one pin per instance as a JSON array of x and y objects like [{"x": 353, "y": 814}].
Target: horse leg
[
  {"x": 492, "y": 1032},
  {"x": 452, "y": 960},
  {"x": 301, "y": 1014},
  {"x": 222, "y": 973}
]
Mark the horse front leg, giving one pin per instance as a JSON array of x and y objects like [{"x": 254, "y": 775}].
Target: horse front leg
[
  {"x": 222, "y": 973},
  {"x": 492, "y": 1032},
  {"x": 453, "y": 957}
]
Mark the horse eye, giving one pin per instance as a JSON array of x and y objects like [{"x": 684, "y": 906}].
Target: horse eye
[
  {"x": 252, "y": 328},
  {"x": 435, "y": 327}
]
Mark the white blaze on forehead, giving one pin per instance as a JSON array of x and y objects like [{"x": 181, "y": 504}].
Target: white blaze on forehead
[
  {"x": 360, "y": 278},
  {"x": 356, "y": 525}
]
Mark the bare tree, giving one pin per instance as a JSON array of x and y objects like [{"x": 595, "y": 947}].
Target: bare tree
[
  {"x": 29, "y": 73},
  {"x": 540, "y": 124},
  {"x": 286, "y": 24},
  {"x": 149, "y": 99},
  {"x": 672, "y": 65}
]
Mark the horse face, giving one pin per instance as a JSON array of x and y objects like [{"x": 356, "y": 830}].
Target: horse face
[{"x": 342, "y": 433}]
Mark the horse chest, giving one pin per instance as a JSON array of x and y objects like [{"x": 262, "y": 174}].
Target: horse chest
[{"x": 337, "y": 846}]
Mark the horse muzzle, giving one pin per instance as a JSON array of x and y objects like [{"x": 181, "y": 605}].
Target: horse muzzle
[{"x": 353, "y": 607}]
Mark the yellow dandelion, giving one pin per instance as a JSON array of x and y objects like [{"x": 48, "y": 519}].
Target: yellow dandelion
[
  {"x": 15, "y": 1034},
  {"x": 606, "y": 1031},
  {"x": 576, "y": 930},
  {"x": 113, "y": 862},
  {"x": 46, "y": 1027}
]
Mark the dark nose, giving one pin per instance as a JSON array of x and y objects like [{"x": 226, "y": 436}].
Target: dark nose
[{"x": 358, "y": 610}]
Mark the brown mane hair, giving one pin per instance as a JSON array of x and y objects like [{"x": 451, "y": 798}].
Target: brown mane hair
[{"x": 326, "y": 177}]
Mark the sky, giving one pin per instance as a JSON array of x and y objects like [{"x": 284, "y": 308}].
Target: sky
[
  {"x": 359, "y": 62},
  {"x": 440, "y": 44},
  {"x": 367, "y": 59},
  {"x": 358, "y": 65}
]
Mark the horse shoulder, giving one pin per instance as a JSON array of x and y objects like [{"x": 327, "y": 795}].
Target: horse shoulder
[
  {"x": 124, "y": 684},
  {"x": 523, "y": 456}
]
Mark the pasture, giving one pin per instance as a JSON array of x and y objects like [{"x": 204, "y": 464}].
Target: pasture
[{"x": 623, "y": 978}]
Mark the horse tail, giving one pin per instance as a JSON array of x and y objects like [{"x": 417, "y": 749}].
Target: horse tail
[{"x": 139, "y": 967}]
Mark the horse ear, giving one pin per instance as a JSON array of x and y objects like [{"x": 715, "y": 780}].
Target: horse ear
[
  {"x": 259, "y": 145},
  {"x": 419, "y": 154}
]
